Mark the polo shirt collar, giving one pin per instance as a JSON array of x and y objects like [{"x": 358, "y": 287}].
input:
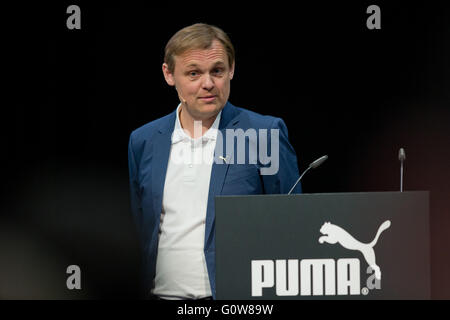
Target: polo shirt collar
[{"x": 179, "y": 134}]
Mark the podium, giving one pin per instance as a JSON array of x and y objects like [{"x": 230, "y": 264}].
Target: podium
[{"x": 372, "y": 245}]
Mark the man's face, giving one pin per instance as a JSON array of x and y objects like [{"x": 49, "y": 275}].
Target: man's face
[{"x": 202, "y": 79}]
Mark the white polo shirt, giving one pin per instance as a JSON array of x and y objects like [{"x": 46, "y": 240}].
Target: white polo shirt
[{"x": 181, "y": 271}]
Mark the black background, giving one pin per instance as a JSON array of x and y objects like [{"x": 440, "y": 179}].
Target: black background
[{"x": 72, "y": 97}]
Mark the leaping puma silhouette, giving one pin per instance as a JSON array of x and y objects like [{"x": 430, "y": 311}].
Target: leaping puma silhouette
[{"x": 333, "y": 234}]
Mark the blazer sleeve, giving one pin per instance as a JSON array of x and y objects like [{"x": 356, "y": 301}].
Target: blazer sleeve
[
  {"x": 287, "y": 174},
  {"x": 135, "y": 196}
]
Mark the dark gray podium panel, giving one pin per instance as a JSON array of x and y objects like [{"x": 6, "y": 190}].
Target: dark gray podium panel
[{"x": 267, "y": 246}]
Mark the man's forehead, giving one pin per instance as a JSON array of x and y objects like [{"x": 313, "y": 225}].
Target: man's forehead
[{"x": 213, "y": 55}]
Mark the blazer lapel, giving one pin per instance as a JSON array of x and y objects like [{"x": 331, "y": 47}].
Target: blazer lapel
[
  {"x": 162, "y": 142},
  {"x": 219, "y": 168}
]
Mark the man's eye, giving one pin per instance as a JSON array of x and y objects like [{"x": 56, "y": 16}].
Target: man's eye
[
  {"x": 193, "y": 73},
  {"x": 218, "y": 71}
]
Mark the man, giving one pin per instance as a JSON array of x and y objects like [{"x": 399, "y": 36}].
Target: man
[{"x": 172, "y": 193}]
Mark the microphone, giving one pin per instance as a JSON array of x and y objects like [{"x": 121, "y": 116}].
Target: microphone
[
  {"x": 313, "y": 165},
  {"x": 182, "y": 99},
  {"x": 318, "y": 162},
  {"x": 401, "y": 157}
]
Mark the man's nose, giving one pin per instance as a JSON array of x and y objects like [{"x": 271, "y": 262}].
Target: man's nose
[{"x": 208, "y": 82}]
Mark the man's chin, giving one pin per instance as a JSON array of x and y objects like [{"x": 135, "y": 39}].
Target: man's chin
[{"x": 209, "y": 110}]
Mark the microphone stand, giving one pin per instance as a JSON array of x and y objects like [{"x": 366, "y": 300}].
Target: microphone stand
[{"x": 299, "y": 180}]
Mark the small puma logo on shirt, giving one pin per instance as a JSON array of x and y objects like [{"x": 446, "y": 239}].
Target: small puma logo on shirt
[
  {"x": 334, "y": 234},
  {"x": 223, "y": 158}
]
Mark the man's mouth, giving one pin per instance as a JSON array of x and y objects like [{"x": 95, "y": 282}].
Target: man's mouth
[{"x": 208, "y": 98}]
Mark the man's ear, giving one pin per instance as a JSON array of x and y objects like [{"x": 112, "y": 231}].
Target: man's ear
[
  {"x": 168, "y": 75},
  {"x": 232, "y": 71}
]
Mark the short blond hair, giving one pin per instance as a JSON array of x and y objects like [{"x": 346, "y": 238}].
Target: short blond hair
[{"x": 196, "y": 36}]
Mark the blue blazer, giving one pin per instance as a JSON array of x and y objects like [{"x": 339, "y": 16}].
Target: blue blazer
[{"x": 148, "y": 156}]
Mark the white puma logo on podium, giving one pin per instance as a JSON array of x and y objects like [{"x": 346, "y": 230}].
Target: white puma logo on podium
[{"x": 333, "y": 234}]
